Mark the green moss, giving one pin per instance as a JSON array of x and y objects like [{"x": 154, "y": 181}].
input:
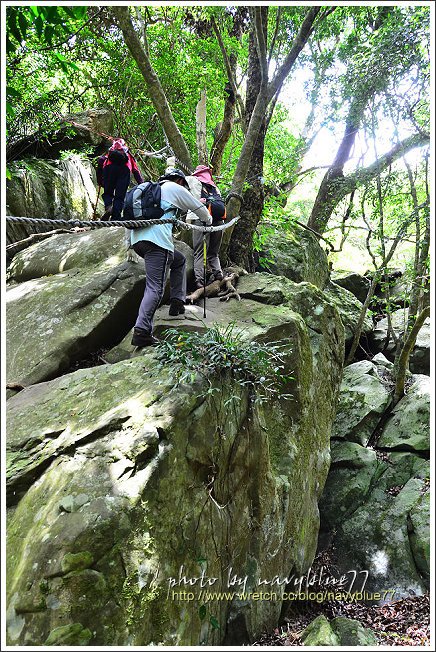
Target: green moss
[
  {"x": 319, "y": 632},
  {"x": 76, "y": 561},
  {"x": 44, "y": 587},
  {"x": 145, "y": 609},
  {"x": 73, "y": 634}
]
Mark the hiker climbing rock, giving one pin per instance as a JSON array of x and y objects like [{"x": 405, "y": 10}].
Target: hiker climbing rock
[
  {"x": 154, "y": 244},
  {"x": 113, "y": 174},
  {"x": 203, "y": 186}
]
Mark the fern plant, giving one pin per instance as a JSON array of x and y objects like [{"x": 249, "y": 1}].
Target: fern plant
[{"x": 222, "y": 351}]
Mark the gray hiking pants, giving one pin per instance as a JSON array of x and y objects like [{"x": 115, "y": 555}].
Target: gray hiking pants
[
  {"x": 213, "y": 244},
  {"x": 157, "y": 263}
]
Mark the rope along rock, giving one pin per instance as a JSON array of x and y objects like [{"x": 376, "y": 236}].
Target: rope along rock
[{"x": 130, "y": 224}]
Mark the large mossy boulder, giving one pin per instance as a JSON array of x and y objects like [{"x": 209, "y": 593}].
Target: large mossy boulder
[
  {"x": 349, "y": 309},
  {"x": 92, "y": 127},
  {"x": 340, "y": 631},
  {"x": 52, "y": 189},
  {"x": 268, "y": 303},
  {"x": 97, "y": 124},
  {"x": 297, "y": 255},
  {"x": 408, "y": 427},
  {"x": 419, "y": 358},
  {"x": 49, "y": 189},
  {"x": 80, "y": 295},
  {"x": 119, "y": 481},
  {"x": 363, "y": 399},
  {"x": 354, "y": 469},
  {"x": 372, "y": 504},
  {"x": 68, "y": 297},
  {"x": 351, "y": 633},
  {"x": 375, "y": 501},
  {"x": 67, "y": 251},
  {"x": 419, "y": 534},
  {"x": 355, "y": 283}
]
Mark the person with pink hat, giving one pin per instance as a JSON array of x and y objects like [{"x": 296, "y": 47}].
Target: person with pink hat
[
  {"x": 210, "y": 195},
  {"x": 113, "y": 174}
]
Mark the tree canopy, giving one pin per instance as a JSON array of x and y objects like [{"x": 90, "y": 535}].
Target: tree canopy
[{"x": 346, "y": 87}]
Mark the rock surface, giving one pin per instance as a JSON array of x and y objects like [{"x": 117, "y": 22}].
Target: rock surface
[
  {"x": 52, "y": 189},
  {"x": 297, "y": 255},
  {"x": 81, "y": 294},
  {"x": 339, "y": 631},
  {"x": 354, "y": 283},
  {"x": 420, "y": 356},
  {"x": 349, "y": 309},
  {"x": 117, "y": 480},
  {"x": 351, "y": 633},
  {"x": 319, "y": 632},
  {"x": 363, "y": 400},
  {"x": 408, "y": 427},
  {"x": 69, "y": 296},
  {"x": 375, "y": 500},
  {"x": 97, "y": 124}
]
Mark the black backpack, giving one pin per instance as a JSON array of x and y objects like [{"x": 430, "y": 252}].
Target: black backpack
[
  {"x": 143, "y": 202},
  {"x": 117, "y": 153},
  {"x": 117, "y": 157},
  {"x": 214, "y": 202}
]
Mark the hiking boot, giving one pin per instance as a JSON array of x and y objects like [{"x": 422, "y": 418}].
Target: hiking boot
[
  {"x": 106, "y": 215},
  {"x": 142, "y": 338},
  {"x": 219, "y": 276},
  {"x": 177, "y": 307}
]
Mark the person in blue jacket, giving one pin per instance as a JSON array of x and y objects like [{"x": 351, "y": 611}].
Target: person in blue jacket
[{"x": 155, "y": 245}]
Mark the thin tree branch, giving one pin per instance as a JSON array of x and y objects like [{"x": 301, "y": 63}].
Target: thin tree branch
[
  {"x": 228, "y": 66},
  {"x": 403, "y": 360},
  {"x": 261, "y": 42},
  {"x": 276, "y": 31},
  {"x": 299, "y": 42}
]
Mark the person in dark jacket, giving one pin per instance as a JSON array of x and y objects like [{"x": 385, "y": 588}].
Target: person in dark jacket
[
  {"x": 113, "y": 174},
  {"x": 209, "y": 194}
]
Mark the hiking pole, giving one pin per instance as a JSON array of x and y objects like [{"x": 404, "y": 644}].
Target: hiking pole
[
  {"x": 96, "y": 202},
  {"x": 204, "y": 273}
]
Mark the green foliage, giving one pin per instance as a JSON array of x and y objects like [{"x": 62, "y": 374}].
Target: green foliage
[
  {"x": 83, "y": 154},
  {"x": 71, "y": 58},
  {"x": 40, "y": 68},
  {"x": 47, "y": 23},
  {"x": 283, "y": 148},
  {"x": 222, "y": 352}
]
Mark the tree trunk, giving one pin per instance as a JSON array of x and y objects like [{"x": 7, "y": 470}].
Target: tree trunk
[
  {"x": 326, "y": 201},
  {"x": 422, "y": 245},
  {"x": 335, "y": 188},
  {"x": 156, "y": 92},
  {"x": 200, "y": 122},
  {"x": 403, "y": 361},
  {"x": 224, "y": 130},
  {"x": 361, "y": 320},
  {"x": 241, "y": 244},
  {"x": 266, "y": 94}
]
